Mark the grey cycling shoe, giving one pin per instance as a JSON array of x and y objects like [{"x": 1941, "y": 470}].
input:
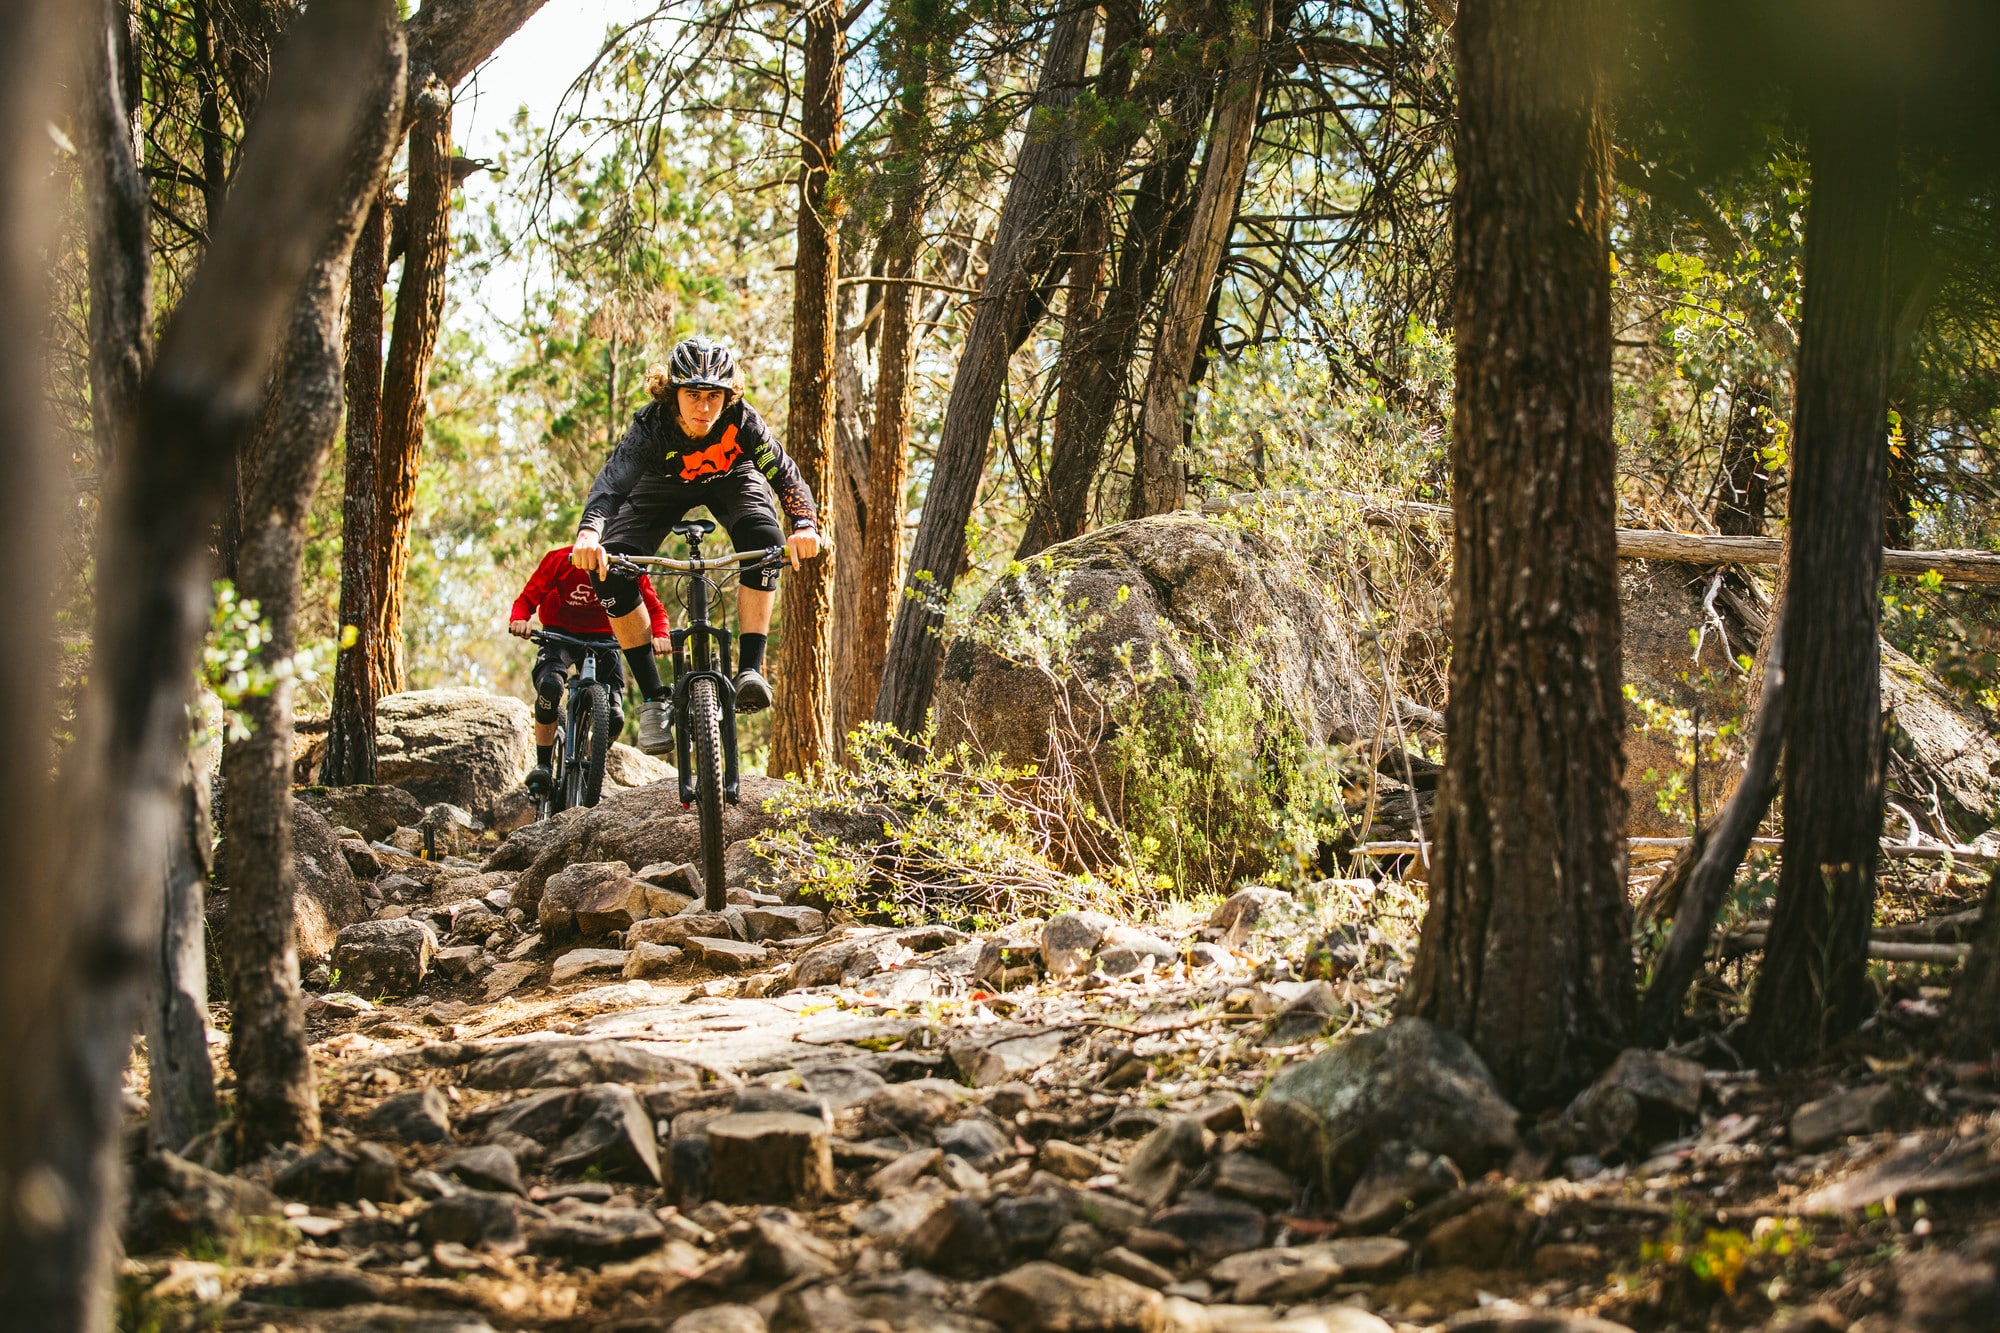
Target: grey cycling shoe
[
  {"x": 655, "y": 737},
  {"x": 753, "y": 692}
]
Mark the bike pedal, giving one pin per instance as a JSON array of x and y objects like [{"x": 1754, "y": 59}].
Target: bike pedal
[{"x": 687, "y": 805}]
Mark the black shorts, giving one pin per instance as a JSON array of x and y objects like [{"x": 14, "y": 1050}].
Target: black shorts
[
  {"x": 553, "y": 661},
  {"x": 738, "y": 501}
]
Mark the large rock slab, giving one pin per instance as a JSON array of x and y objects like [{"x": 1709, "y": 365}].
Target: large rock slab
[
  {"x": 1412, "y": 1082},
  {"x": 461, "y": 745},
  {"x": 627, "y": 766},
  {"x": 571, "y": 1063},
  {"x": 329, "y": 896},
  {"x": 1174, "y": 585},
  {"x": 640, "y": 826}
]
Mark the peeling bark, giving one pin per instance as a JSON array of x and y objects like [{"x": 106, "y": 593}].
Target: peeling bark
[
  {"x": 412, "y": 341},
  {"x": 802, "y": 714}
]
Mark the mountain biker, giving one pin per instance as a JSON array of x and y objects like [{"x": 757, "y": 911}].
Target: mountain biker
[
  {"x": 563, "y": 596},
  {"x": 697, "y": 444}
]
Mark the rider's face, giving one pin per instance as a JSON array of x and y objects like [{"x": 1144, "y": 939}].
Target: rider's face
[{"x": 699, "y": 409}]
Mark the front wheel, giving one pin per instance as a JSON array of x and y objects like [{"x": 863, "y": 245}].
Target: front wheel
[
  {"x": 705, "y": 731},
  {"x": 590, "y": 720},
  {"x": 551, "y": 800},
  {"x": 595, "y": 752}
]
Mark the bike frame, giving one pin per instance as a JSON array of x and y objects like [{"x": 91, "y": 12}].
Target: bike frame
[
  {"x": 584, "y": 673},
  {"x": 701, "y": 651}
]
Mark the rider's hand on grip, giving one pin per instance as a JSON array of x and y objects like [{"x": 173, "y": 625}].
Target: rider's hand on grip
[
  {"x": 588, "y": 554},
  {"x": 801, "y": 546}
]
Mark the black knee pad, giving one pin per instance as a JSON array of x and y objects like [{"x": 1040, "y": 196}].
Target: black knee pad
[
  {"x": 618, "y": 594},
  {"x": 548, "y": 692}
]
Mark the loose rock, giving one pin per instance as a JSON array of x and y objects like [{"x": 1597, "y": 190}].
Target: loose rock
[
  {"x": 488, "y": 1167},
  {"x": 616, "y": 1136},
  {"x": 727, "y": 955},
  {"x": 1048, "y": 1298},
  {"x": 1411, "y": 1081},
  {"x": 384, "y": 957},
  {"x": 1070, "y": 941},
  {"x": 1823, "y": 1123},
  {"x": 412, "y": 1117},
  {"x": 644, "y": 961}
]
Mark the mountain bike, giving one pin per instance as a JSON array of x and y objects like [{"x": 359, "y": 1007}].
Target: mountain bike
[
  {"x": 584, "y": 733},
  {"x": 703, "y": 712}
]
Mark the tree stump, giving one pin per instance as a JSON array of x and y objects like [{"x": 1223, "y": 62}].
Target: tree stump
[{"x": 770, "y": 1157}]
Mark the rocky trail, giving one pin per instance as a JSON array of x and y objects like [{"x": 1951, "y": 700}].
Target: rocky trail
[{"x": 560, "y": 1094}]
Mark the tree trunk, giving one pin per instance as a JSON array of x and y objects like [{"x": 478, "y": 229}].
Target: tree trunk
[
  {"x": 75, "y": 991},
  {"x": 181, "y": 1101},
  {"x": 1718, "y": 852},
  {"x": 1159, "y": 478},
  {"x": 121, "y": 345},
  {"x": 1740, "y": 507},
  {"x": 412, "y": 340},
  {"x": 1097, "y": 353},
  {"x": 275, "y": 1100},
  {"x": 854, "y": 389},
  {"x": 1974, "y": 1032},
  {"x": 802, "y": 725},
  {"x": 49, "y": 1277},
  {"x": 881, "y": 555},
  {"x": 1023, "y": 244},
  {"x": 118, "y": 239},
  {"x": 880, "y": 558},
  {"x": 1813, "y": 988},
  {"x": 1526, "y": 946},
  {"x": 350, "y": 737}
]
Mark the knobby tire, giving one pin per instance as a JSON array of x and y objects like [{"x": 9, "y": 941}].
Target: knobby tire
[
  {"x": 552, "y": 804},
  {"x": 705, "y": 731},
  {"x": 596, "y": 750}
]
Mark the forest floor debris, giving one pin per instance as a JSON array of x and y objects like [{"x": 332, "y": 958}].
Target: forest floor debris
[{"x": 1208, "y": 1123}]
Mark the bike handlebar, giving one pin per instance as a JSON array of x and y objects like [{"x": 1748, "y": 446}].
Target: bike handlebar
[
  {"x": 642, "y": 564},
  {"x": 557, "y": 636}
]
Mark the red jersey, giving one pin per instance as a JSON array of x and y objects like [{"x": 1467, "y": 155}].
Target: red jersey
[{"x": 562, "y": 594}]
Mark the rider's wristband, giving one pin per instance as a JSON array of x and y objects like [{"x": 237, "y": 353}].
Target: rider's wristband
[{"x": 803, "y": 525}]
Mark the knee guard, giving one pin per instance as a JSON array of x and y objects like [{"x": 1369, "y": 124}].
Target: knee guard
[
  {"x": 618, "y": 594},
  {"x": 548, "y": 693}
]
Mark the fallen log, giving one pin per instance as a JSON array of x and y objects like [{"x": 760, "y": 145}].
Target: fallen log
[
  {"x": 1689, "y": 548},
  {"x": 1935, "y": 851},
  {"x": 1737, "y": 943}
]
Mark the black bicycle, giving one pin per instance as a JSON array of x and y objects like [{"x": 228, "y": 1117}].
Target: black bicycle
[
  {"x": 585, "y": 732},
  {"x": 703, "y": 713}
]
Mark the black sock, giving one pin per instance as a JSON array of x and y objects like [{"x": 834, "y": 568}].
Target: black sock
[
  {"x": 645, "y": 672},
  {"x": 753, "y": 651},
  {"x": 543, "y": 753}
]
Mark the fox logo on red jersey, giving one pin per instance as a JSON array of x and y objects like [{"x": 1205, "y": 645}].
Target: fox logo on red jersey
[{"x": 717, "y": 458}]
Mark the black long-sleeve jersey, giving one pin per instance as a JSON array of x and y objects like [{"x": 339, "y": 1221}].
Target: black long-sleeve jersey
[{"x": 739, "y": 443}]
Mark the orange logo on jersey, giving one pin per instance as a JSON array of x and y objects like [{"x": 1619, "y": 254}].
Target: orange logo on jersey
[{"x": 718, "y": 457}]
